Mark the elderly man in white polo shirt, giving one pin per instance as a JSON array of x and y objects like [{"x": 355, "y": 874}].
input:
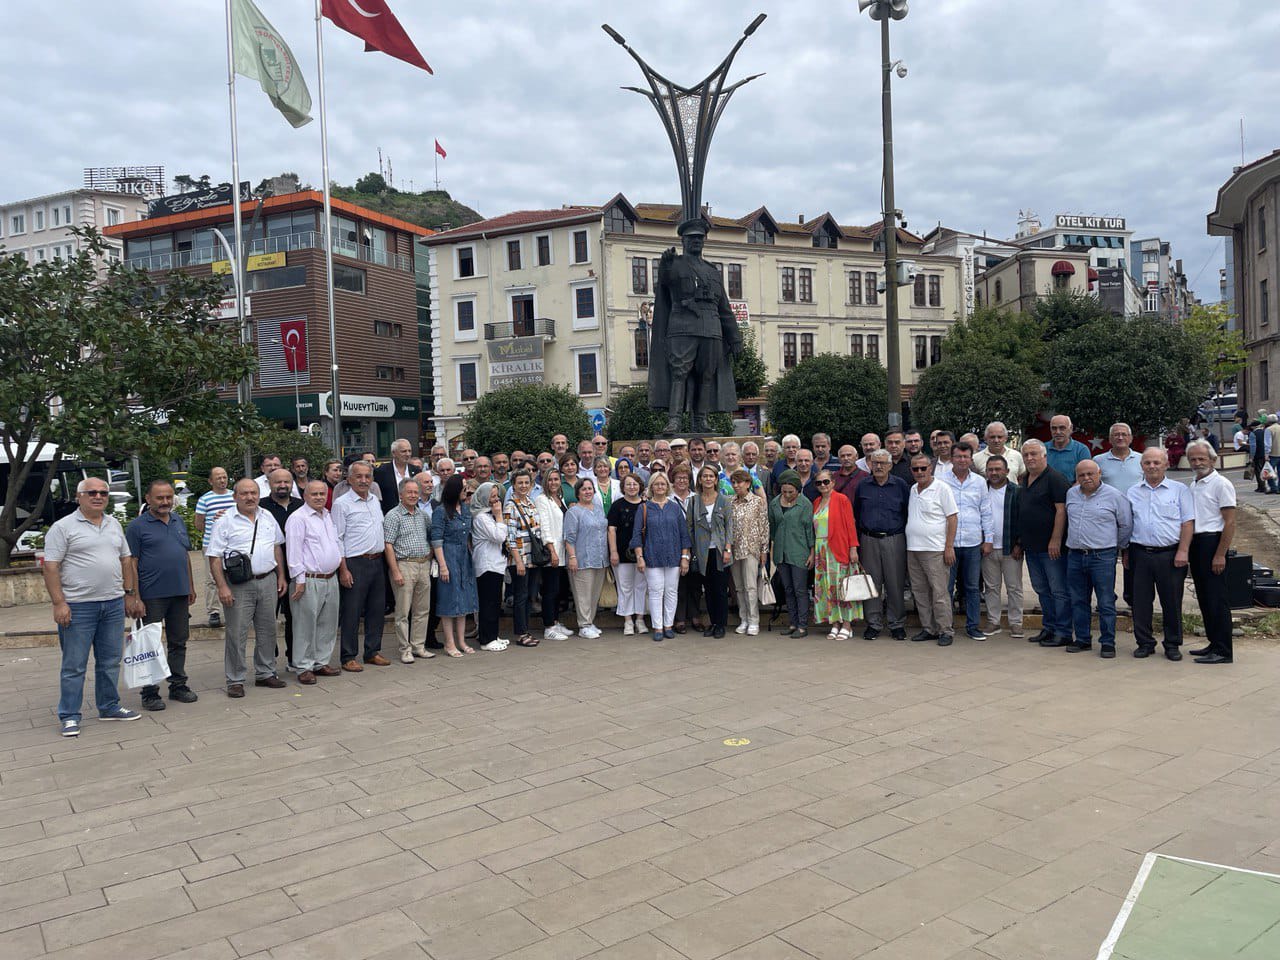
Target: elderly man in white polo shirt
[
  {"x": 931, "y": 533},
  {"x": 1214, "y": 500},
  {"x": 252, "y": 532}
]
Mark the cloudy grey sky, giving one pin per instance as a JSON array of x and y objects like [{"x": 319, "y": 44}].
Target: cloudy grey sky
[{"x": 1085, "y": 106}]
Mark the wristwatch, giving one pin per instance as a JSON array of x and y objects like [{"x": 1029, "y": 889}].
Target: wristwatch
[{"x": 130, "y": 593}]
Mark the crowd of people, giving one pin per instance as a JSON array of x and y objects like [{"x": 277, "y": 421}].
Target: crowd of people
[{"x": 672, "y": 534}]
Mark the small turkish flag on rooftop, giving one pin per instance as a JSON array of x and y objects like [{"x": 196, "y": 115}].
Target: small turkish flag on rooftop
[
  {"x": 440, "y": 149},
  {"x": 374, "y": 23}
]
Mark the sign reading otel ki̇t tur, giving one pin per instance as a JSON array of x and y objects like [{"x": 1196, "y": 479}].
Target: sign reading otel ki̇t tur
[{"x": 515, "y": 361}]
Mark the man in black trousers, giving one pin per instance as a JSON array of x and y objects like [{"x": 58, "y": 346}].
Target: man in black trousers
[
  {"x": 1163, "y": 523},
  {"x": 1214, "y": 500}
]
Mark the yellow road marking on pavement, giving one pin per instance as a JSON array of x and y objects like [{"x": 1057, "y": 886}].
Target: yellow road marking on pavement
[{"x": 736, "y": 742}]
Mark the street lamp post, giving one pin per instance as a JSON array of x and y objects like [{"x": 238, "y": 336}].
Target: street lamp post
[{"x": 884, "y": 11}]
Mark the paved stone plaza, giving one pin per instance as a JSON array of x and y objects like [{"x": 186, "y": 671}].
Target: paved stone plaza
[{"x": 895, "y": 800}]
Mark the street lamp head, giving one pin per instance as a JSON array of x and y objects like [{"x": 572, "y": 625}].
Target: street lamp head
[{"x": 900, "y": 69}]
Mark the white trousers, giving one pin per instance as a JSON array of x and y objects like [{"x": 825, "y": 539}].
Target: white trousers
[
  {"x": 664, "y": 591},
  {"x": 631, "y": 590}
]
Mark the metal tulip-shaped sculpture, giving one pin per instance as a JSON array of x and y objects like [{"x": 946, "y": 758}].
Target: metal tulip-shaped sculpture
[{"x": 695, "y": 335}]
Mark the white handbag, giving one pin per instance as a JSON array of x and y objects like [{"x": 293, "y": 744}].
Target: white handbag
[
  {"x": 764, "y": 589},
  {"x": 144, "y": 663},
  {"x": 857, "y": 586}
]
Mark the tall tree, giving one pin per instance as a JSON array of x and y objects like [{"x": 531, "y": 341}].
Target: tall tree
[
  {"x": 1062, "y": 311},
  {"x": 749, "y": 371},
  {"x": 842, "y": 396},
  {"x": 524, "y": 417},
  {"x": 106, "y": 368},
  {"x": 1223, "y": 348},
  {"x": 967, "y": 391}
]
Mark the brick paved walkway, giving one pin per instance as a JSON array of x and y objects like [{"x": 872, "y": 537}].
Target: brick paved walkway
[{"x": 895, "y": 801}]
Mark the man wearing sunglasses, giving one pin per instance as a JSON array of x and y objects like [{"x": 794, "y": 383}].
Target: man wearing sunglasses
[
  {"x": 91, "y": 582},
  {"x": 931, "y": 534}
]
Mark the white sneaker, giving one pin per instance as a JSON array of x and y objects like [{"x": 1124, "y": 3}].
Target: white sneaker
[
  {"x": 628, "y": 628},
  {"x": 406, "y": 657},
  {"x": 496, "y": 646},
  {"x": 742, "y": 627},
  {"x": 590, "y": 631},
  {"x": 753, "y": 630},
  {"x": 565, "y": 632}
]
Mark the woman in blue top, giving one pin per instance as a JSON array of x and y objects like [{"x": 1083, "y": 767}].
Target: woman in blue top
[
  {"x": 456, "y": 589},
  {"x": 586, "y": 544},
  {"x": 661, "y": 541}
]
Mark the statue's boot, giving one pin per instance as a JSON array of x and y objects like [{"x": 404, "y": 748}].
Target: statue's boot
[
  {"x": 698, "y": 423},
  {"x": 675, "y": 409},
  {"x": 672, "y": 427}
]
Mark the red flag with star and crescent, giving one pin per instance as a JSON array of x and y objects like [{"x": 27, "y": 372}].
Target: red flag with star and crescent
[
  {"x": 293, "y": 338},
  {"x": 440, "y": 149},
  {"x": 374, "y": 23}
]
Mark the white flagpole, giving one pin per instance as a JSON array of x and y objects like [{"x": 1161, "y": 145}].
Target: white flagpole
[
  {"x": 244, "y": 390},
  {"x": 328, "y": 244}
]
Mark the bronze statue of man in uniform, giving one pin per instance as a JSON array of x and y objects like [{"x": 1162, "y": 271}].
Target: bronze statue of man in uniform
[{"x": 695, "y": 336}]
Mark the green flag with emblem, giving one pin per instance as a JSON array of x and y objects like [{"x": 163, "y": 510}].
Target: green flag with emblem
[{"x": 261, "y": 54}]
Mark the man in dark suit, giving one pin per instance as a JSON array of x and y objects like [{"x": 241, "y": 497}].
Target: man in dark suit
[{"x": 389, "y": 475}]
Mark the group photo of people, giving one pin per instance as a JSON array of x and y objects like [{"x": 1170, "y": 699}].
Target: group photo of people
[{"x": 673, "y": 537}]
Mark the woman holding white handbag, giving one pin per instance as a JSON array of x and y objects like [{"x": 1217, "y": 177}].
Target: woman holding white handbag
[{"x": 835, "y": 558}]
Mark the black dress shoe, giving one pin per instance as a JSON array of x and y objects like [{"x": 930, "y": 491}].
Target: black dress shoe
[
  {"x": 1201, "y": 651},
  {"x": 1213, "y": 658},
  {"x": 1173, "y": 653},
  {"x": 1108, "y": 653},
  {"x": 898, "y": 634},
  {"x": 870, "y": 633},
  {"x": 1077, "y": 647},
  {"x": 945, "y": 640},
  {"x": 1056, "y": 642},
  {"x": 718, "y": 632},
  {"x": 433, "y": 644},
  {"x": 1041, "y": 637},
  {"x": 710, "y": 631},
  {"x": 1143, "y": 652},
  {"x": 922, "y": 636}
]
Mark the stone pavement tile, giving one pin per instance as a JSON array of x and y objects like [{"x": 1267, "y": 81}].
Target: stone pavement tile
[
  {"x": 740, "y": 811},
  {"x": 768, "y": 948},
  {"x": 213, "y": 950},
  {"x": 1083, "y": 918},
  {"x": 853, "y": 805},
  {"x": 493, "y": 936},
  {"x": 719, "y": 853},
  {"x": 40, "y": 864},
  {"x": 225, "y": 920},
  {"x": 603, "y": 895},
  {"x": 1067, "y": 828},
  {"x": 115, "y": 918},
  {"x": 42, "y": 910},
  {"x": 600, "y": 807},
  {"x": 316, "y": 794},
  {"x": 608, "y": 855},
  {"x": 286, "y": 930},
  {"x": 465, "y": 903},
  {"x": 17, "y": 814},
  {"x": 403, "y": 797},
  {"x": 273, "y": 831},
  {"x": 861, "y": 869},
  {"x": 461, "y": 799},
  {"x": 643, "y": 947},
  {"x": 24, "y": 944},
  {"x": 625, "y": 924},
  {"x": 537, "y": 799},
  {"x": 785, "y": 773},
  {"x": 551, "y": 846},
  {"x": 22, "y": 832},
  {"x": 684, "y": 782},
  {"x": 824, "y": 937},
  {"x": 864, "y": 831},
  {"x": 360, "y": 940},
  {"x": 986, "y": 916},
  {"x": 770, "y": 756},
  {"x": 741, "y": 920},
  {"x": 862, "y": 769},
  {"x": 121, "y": 833},
  {"x": 292, "y": 869},
  {"x": 1057, "y": 788},
  {"x": 262, "y": 847},
  {"x": 352, "y": 881},
  {"x": 210, "y": 868},
  {"x": 1006, "y": 861},
  {"x": 480, "y": 843},
  {"x": 23, "y": 893},
  {"x": 570, "y": 945},
  {"x": 690, "y": 898},
  {"x": 1198, "y": 769},
  {"x": 689, "y": 802},
  {"x": 933, "y": 891},
  {"x": 938, "y": 939},
  {"x": 543, "y": 877},
  {"x": 145, "y": 887},
  {"x": 634, "y": 820},
  {"x": 773, "y": 866},
  {"x": 569, "y": 771},
  {"x": 1063, "y": 876},
  {"x": 947, "y": 834},
  {"x": 440, "y": 827},
  {"x": 956, "y": 768}
]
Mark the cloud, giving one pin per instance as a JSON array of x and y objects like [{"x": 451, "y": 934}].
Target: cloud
[{"x": 1128, "y": 109}]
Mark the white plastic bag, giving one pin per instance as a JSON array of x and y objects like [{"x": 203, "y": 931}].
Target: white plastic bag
[{"x": 144, "y": 663}]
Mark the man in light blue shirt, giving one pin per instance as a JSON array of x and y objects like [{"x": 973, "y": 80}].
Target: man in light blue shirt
[
  {"x": 1062, "y": 452},
  {"x": 1163, "y": 522},
  {"x": 1121, "y": 466},
  {"x": 973, "y": 533},
  {"x": 1099, "y": 525}
]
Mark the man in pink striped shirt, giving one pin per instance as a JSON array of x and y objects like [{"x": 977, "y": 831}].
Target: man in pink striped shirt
[{"x": 311, "y": 544}]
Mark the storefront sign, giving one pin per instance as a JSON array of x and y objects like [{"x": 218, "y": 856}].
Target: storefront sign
[
  {"x": 196, "y": 200},
  {"x": 227, "y": 308},
  {"x": 1075, "y": 222},
  {"x": 515, "y": 361},
  {"x": 740, "y": 312},
  {"x": 358, "y": 407},
  {"x": 257, "y": 261}
]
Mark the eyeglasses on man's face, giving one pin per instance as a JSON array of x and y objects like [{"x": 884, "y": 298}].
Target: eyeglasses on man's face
[
  {"x": 919, "y": 469},
  {"x": 96, "y": 493}
]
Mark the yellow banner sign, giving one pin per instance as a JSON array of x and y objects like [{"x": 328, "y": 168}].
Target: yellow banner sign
[{"x": 258, "y": 261}]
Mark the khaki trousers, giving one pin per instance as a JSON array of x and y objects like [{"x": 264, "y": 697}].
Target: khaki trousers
[
  {"x": 997, "y": 568},
  {"x": 587, "y": 584},
  {"x": 928, "y": 575},
  {"x": 413, "y": 604}
]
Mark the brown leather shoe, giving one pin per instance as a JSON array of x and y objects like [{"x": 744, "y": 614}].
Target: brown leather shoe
[
  {"x": 235, "y": 690},
  {"x": 328, "y": 671},
  {"x": 378, "y": 660},
  {"x": 351, "y": 666},
  {"x": 307, "y": 677},
  {"x": 275, "y": 683}
]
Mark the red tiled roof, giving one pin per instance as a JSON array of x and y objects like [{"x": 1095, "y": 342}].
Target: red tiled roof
[{"x": 516, "y": 221}]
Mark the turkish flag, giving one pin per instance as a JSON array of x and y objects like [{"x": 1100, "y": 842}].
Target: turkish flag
[
  {"x": 440, "y": 149},
  {"x": 374, "y": 23},
  {"x": 293, "y": 337}
]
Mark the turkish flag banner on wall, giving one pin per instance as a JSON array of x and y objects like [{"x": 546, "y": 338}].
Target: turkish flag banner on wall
[
  {"x": 293, "y": 339},
  {"x": 374, "y": 23}
]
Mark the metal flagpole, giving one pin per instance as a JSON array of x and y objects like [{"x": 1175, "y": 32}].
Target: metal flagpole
[
  {"x": 244, "y": 390},
  {"x": 336, "y": 397}
]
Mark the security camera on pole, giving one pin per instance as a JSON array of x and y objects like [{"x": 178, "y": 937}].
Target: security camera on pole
[{"x": 884, "y": 11}]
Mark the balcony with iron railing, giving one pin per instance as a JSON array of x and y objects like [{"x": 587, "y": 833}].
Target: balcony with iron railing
[
  {"x": 309, "y": 240},
  {"x": 509, "y": 329}
]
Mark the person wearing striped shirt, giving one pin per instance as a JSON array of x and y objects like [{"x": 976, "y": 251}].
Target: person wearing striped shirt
[{"x": 212, "y": 504}]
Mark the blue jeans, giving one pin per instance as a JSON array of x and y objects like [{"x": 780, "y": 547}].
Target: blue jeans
[
  {"x": 96, "y": 625},
  {"x": 969, "y": 566},
  {"x": 1093, "y": 574},
  {"x": 1049, "y": 580},
  {"x": 1274, "y": 485}
]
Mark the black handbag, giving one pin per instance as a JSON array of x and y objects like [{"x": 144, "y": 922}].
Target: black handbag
[
  {"x": 539, "y": 555},
  {"x": 238, "y": 567}
]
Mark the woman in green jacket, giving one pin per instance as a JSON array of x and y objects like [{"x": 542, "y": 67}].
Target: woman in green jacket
[{"x": 791, "y": 537}]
